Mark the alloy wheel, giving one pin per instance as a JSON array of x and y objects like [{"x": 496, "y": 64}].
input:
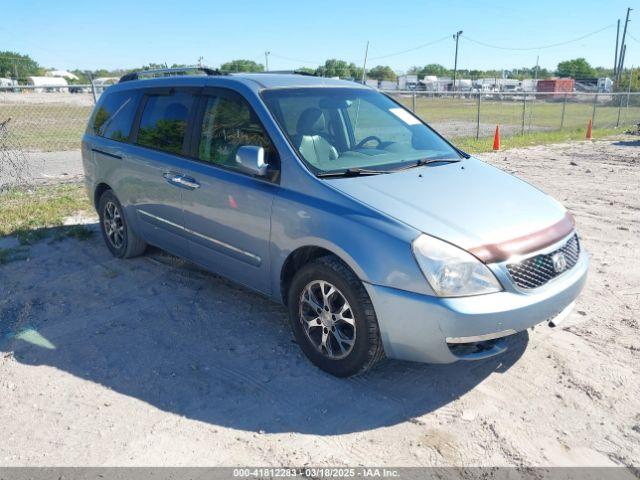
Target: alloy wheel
[
  {"x": 327, "y": 319},
  {"x": 113, "y": 225}
]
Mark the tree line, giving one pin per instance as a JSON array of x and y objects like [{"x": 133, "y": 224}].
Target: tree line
[{"x": 15, "y": 65}]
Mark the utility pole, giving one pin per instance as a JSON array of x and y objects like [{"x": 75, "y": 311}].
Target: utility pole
[
  {"x": 266, "y": 59},
  {"x": 623, "y": 46},
  {"x": 615, "y": 56},
  {"x": 456, "y": 37},
  {"x": 93, "y": 87},
  {"x": 364, "y": 65}
]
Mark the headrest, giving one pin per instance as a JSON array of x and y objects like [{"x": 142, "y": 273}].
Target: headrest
[{"x": 311, "y": 122}]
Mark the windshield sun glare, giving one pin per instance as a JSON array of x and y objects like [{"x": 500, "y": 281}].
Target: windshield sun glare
[{"x": 337, "y": 129}]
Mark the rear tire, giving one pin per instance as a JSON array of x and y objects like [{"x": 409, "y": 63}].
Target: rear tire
[
  {"x": 121, "y": 240},
  {"x": 333, "y": 319}
]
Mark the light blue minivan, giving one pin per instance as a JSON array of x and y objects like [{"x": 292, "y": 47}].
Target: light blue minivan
[{"x": 380, "y": 237}]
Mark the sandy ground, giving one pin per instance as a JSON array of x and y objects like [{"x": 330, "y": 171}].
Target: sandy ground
[{"x": 154, "y": 362}]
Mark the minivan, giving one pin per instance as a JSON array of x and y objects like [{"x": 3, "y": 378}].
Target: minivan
[{"x": 380, "y": 237}]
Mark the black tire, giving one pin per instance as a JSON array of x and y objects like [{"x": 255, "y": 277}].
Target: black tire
[
  {"x": 129, "y": 244},
  {"x": 367, "y": 348}
]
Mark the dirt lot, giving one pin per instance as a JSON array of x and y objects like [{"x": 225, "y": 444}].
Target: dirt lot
[{"x": 153, "y": 362}]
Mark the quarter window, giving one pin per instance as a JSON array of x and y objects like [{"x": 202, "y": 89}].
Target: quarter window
[
  {"x": 164, "y": 122},
  {"x": 114, "y": 116},
  {"x": 228, "y": 124}
]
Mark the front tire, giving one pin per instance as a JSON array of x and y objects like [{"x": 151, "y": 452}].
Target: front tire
[
  {"x": 333, "y": 319},
  {"x": 121, "y": 240}
]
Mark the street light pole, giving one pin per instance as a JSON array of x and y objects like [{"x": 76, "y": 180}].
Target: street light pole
[{"x": 456, "y": 37}]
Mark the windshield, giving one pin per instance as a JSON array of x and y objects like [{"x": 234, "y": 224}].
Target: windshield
[{"x": 335, "y": 129}]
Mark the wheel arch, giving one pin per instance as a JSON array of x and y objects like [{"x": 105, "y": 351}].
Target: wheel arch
[
  {"x": 302, "y": 255},
  {"x": 99, "y": 191}
]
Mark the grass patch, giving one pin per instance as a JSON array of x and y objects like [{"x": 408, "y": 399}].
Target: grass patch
[
  {"x": 34, "y": 214},
  {"x": 485, "y": 144},
  {"x": 539, "y": 113},
  {"x": 48, "y": 127}
]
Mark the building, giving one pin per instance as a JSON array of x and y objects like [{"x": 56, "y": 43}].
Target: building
[
  {"x": 48, "y": 84},
  {"x": 62, "y": 74}
]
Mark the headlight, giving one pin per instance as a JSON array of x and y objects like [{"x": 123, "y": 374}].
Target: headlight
[{"x": 451, "y": 271}]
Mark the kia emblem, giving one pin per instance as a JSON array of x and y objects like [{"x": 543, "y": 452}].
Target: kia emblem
[{"x": 559, "y": 262}]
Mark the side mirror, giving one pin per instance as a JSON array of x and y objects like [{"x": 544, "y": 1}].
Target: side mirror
[{"x": 250, "y": 159}]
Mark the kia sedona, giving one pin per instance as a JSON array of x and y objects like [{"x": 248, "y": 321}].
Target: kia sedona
[{"x": 380, "y": 237}]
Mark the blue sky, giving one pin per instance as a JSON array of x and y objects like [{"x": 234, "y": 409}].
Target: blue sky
[{"x": 117, "y": 33}]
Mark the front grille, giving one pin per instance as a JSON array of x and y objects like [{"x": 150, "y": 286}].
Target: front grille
[{"x": 536, "y": 271}]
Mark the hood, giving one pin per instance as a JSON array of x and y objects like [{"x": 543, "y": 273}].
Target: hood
[{"x": 468, "y": 204}]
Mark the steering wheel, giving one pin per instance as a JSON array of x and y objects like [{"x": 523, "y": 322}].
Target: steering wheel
[{"x": 368, "y": 139}]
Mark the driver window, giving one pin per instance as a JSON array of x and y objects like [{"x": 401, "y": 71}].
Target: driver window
[
  {"x": 367, "y": 120},
  {"x": 228, "y": 124}
]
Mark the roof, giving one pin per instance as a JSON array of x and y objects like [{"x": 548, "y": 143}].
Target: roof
[
  {"x": 251, "y": 81},
  {"x": 47, "y": 81},
  {"x": 207, "y": 76},
  {"x": 61, "y": 73},
  {"x": 279, "y": 80}
]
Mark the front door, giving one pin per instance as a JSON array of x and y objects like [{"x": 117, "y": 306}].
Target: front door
[{"x": 228, "y": 216}]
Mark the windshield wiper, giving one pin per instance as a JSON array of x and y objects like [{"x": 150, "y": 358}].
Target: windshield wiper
[
  {"x": 352, "y": 172},
  {"x": 427, "y": 161}
]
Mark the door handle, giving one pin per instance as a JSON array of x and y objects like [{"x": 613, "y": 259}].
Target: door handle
[
  {"x": 181, "y": 180},
  {"x": 107, "y": 153},
  {"x": 188, "y": 182}
]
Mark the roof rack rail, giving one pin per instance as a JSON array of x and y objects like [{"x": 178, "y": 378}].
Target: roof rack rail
[
  {"x": 293, "y": 72},
  {"x": 168, "y": 72}
]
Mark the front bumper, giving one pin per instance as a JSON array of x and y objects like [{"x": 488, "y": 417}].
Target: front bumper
[{"x": 416, "y": 327}]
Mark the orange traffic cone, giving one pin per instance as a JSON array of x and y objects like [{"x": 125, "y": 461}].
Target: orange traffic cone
[
  {"x": 496, "y": 139},
  {"x": 589, "y": 127}
]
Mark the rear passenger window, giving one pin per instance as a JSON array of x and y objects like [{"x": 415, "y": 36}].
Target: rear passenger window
[
  {"x": 114, "y": 117},
  {"x": 164, "y": 121},
  {"x": 228, "y": 124}
]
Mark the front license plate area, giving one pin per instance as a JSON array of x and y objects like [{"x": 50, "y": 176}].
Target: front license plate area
[{"x": 560, "y": 317}]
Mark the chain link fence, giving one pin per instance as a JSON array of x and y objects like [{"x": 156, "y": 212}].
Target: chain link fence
[
  {"x": 45, "y": 121},
  {"x": 476, "y": 114},
  {"x": 48, "y": 122}
]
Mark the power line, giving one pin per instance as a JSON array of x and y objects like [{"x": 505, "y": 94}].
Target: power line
[
  {"x": 318, "y": 62},
  {"x": 542, "y": 47},
  {"x": 632, "y": 37},
  {"x": 418, "y": 47}
]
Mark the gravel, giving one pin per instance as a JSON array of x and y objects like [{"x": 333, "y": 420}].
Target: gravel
[{"x": 153, "y": 362}]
